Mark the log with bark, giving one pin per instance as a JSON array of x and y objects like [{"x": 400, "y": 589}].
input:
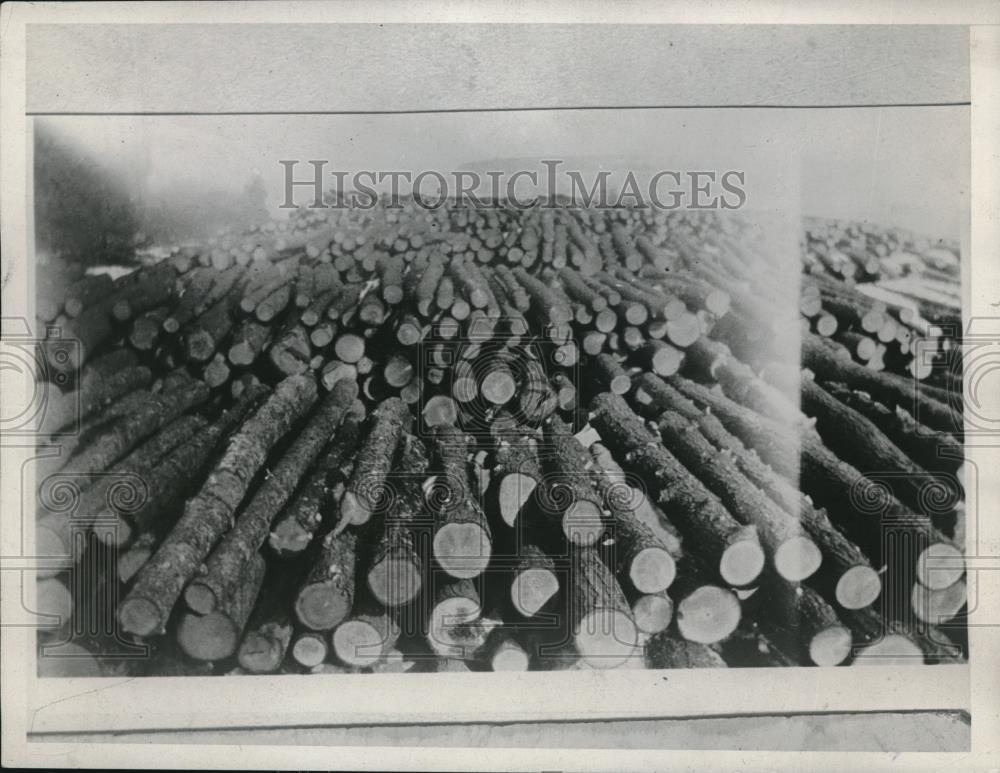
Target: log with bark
[
  {"x": 179, "y": 473},
  {"x": 456, "y": 628},
  {"x": 852, "y": 436},
  {"x": 366, "y": 637},
  {"x": 209, "y": 514},
  {"x": 516, "y": 470},
  {"x": 643, "y": 554},
  {"x": 794, "y": 554},
  {"x": 933, "y": 451},
  {"x": 733, "y": 549},
  {"x": 117, "y": 437},
  {"x": 604, "y": 632},
  {"x": 668, "y": 651},
  {"x": 462, "y": 541},
  {"x": 396, "y": 566},
  {"x": 268, "y": 634},
  {"x": 216, "y": 636},
  {"x": 303, "y": 517},
  {"x": 896, "y": 391},
  {"x": 798, "y": 622},
  {"x": 567, "y": 494},
  {"x": 845, "y": 574},
  {"x": 327, "y": 592},
  {"x": 224, "y": 568},
  {"x": 366, "y": 491}
]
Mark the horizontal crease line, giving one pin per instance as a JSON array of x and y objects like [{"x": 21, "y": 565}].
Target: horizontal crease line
[{"x": 564, "y": 108}]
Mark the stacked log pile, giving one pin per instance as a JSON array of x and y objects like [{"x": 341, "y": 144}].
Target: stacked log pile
[{"x": 400, "y": 439}]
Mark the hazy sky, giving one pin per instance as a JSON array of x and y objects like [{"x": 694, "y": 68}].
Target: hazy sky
[{"x": 897, "y": 166}]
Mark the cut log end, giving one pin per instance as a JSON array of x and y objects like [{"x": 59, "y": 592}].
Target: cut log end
[
  {"x": 309, "y": 651},
  {"x": 353, "y": 511},
  {"x": 321, "y": 606},
  {"x": 510, "y": 657},
  {"x": 515, "y": 490},
  {"x": 620, "y": 384},
  {"x": 289, "y": 538},
  {"x": 207, "y": 637},
  {"x": 893, "y": 650},
  {"x": 498, "y": 387},
  {"x": 139, "y": 616},
  {"x": 452, "y": 631},
  {"x": 358, "y": 643},
  {"x": 797, "y": 559},
  {"x": 940, "y": 566},
  {"x": 937, "y": 607},
  {"x": 741, "y": 563},
  {"x": 462, "y": 549},
  {"x": 349, "y": 348},
  {"x": 606, "y": 638},
  {"x": 464, "y": 389},
  {"x": 394, "y": 582},
  {"x": 532, "y": 590},
  {"x": 653, "y": 613},
  {"x": 831, "y": 647},
  {"x": 652, "y": 570},
  {"x": 858, "y": 587},
  {"x": 200, "y": 598},
  {"x": 667, "y": 361},
  {"x": 708, "y": 615},
  {"x": 440, "y": 411},
  {"x": 582, "y": 523},
  {"x": 259, "y": 654}
]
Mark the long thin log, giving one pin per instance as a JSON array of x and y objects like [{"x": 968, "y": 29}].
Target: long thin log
[
  {"x": 327, "y": 593},
  {"x": 516, "y": 470},
  {"x": 845, "y": 574},
  {"x": 222, "y": 572},
  {"x": 733, "y": 549},
  {"x": 568, "y": 496},
  {"x": 396, "y": 566},
  {"x": 303, "y": 517},
  {"x": 644, "y": 561},
  {"x": 216, "y": 635},
  {"x": 104, "y": 500},
  {"x": 795, "y": 556},
  {"x": 852, "y": 436},
  {"x": 122, "y": 434},
  {"x": 933, "y": 451},
  {"x": 180, "y": 472},
  {"x": 462, "y": 542},
  {"x": 775, "y": 442},
  {"x": 269, "y": 630},
  {"x": 800, "y": 623},
  {"x": 96, "y": 391},
  {"x": 604, "y": 631},
  {"x": 535, "y": 584},
  {"x": 208, "y": 515},
  {"x": 366, "y": 489},
  {"x": 896, "y": 391}
]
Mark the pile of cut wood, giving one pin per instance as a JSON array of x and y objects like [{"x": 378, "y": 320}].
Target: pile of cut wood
[{"x": 399, "y": 439}]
